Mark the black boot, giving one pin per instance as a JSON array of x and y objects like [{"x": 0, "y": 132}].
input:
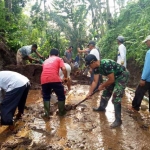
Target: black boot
[
  {"x": 103, "y": 105},
  {"x": 118, "y": 120}
]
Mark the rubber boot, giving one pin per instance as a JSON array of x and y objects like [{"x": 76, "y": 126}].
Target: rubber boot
[
  {"x": 103, "y": 105},
  {"x": 118, "y": 121},
  {"x": 46, "y": 109},
  {"x": 61, "y": 108}
]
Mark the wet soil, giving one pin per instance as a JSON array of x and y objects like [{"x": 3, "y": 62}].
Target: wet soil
[
  {"x": 135, "y": 73},
  {"x": 80, "y": 128},
  {"x": 7, "y": 56}
]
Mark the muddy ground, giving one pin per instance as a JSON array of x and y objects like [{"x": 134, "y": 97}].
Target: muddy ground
[{"x": 80, "y": 128}]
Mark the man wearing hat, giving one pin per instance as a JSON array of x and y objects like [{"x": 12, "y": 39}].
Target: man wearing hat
[
  {"x": 121, "y": 57},
  {"x": 114, "y": 87},
  {"x": 144, "y": 84},
  {"x": 92, "y": 50}
]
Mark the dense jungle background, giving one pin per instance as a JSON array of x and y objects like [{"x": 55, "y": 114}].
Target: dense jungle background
[{"x": 61, "y": 23}]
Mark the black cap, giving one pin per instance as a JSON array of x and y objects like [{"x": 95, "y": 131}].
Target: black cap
[
  {"x": 89, "y": 59},
  {"x": 92, "y": 42},
  {"x": 70, "y": 47}
]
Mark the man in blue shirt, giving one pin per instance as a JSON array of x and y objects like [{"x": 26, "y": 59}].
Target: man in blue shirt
[{"x": 144, "y": 84}]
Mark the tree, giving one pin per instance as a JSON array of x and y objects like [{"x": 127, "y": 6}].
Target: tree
[{"x": 70, "y": 17}]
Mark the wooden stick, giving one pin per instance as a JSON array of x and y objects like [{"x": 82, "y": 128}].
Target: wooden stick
[{"x": 85, "y": 99}]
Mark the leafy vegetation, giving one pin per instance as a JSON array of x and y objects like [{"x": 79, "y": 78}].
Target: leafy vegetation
[
  {"x": 68, "y": 22},
  {"x": 133, "y": 23}
]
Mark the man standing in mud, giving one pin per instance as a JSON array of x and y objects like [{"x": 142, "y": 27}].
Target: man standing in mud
[
  {"x": 144, "y": 84},
  {"x": 121, "y": 57},
  {"x": 114, "y": 87},
  {"x": 50, "y": 80},
  {"x": 15, "y": 87},
  {"x": 68, "y": 55},
  {"x": 92, "y": 50},
  {"x": 24, "y": 52}
]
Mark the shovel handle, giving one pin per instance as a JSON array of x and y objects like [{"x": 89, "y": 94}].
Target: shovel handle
[{"x": 85, "y": 98}]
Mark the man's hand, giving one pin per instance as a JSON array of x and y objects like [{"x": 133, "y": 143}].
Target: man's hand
[
  {"x": 42, "y": 57},
  {"x": 90, "y": 70},
  {"x": 30, "y": 60},
  {"x": 142, "y": 83},
  {"x": 101, "y": 87},
  {"x": 88, "y": 95},
  {"x": 37, "y": 61},
  {"x": 122, "y": 62},
  {"x": 65, "y": 80},
  {"x": 78, "y": 49}
]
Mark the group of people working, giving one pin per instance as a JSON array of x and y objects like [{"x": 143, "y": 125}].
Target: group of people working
[{"x": 16, "y": 86}]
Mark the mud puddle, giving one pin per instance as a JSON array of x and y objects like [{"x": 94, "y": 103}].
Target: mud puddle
[{"x": 80, "y": 128}]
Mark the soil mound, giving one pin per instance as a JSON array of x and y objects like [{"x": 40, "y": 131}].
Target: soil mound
[
  {"x": 7, "y": 57},
  {"x": 135, "y": 73},
  {"x": 32, "y": 72}
]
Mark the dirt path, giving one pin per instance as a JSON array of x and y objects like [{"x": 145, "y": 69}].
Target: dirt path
[{"x": 79, "y": 129}]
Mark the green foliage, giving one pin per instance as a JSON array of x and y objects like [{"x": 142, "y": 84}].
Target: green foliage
[
  {"x": 133, "y": 23},
  {"x": 70, "y": 18}
]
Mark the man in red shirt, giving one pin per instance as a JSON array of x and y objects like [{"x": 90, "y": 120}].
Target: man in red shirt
[{"x": 50, "y": 80}]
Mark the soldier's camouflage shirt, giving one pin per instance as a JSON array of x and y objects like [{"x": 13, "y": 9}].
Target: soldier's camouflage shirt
[{"x": 108, "y": 66}]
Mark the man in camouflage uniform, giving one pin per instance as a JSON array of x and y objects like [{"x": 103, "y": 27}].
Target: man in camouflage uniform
[{"x": 117, "y": 80}]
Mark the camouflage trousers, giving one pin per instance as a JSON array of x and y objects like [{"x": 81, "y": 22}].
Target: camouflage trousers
[{"x": 116, "y": 90}]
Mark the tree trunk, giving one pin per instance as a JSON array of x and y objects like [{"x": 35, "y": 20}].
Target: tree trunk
[
  {"x": 108, "y": 14},
  {"x": 8, "y": 7},
  {"x": 114, "y": 6},
  {"x": 44, "y": 9}
]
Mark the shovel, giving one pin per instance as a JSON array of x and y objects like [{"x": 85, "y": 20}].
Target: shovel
[{"x": 74, "y": 106}]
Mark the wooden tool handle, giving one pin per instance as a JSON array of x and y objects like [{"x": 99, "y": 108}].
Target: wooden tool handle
[{"x": 86, "y": 98}]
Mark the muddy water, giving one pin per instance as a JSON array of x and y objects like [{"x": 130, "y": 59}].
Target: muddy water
[
  {"x": 79, "y": 129},
  {"x": 34, "y": 96}
]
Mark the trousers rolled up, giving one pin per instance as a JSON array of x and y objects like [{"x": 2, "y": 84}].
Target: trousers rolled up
[
  {"x": 139, "y": 94},
  {"x": 12, "y": 100}
]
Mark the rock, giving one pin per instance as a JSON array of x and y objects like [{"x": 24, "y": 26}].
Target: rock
[
  {"x": 81, "y": 146},
  {"x": 22, "y": 147},
  {"x": 144, "y": 107},
  {"x": 83, "y": 142}
]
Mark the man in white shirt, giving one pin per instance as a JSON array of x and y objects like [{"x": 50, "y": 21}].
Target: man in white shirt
[
  {"x": 121, "y": 57},
  {"x": 92, "y": 50},
  {"x": 16, "y": 87},
  {"x": 61, "y": 75}
]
